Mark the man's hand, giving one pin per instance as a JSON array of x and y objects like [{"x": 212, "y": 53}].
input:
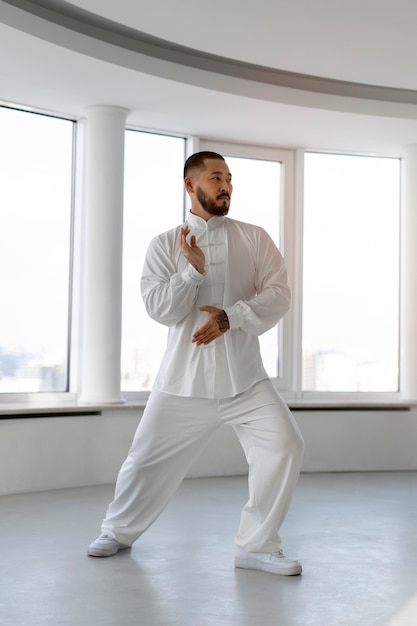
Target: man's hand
[
  {"x": 216, "y": 325},
  {"x": 191, "y": 251}
]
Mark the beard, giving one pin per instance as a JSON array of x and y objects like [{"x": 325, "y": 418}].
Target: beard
[{"x": 214, "y": 207}]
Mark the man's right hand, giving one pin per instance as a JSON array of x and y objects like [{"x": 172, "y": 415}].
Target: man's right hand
[{"x": 191, "y": 251}]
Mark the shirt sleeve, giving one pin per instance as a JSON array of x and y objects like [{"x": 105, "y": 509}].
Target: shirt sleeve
[
  {"x": 273, "y": 292},
  {"x": 168, "y": 294}
]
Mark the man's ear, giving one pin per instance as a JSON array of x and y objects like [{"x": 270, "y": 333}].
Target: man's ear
[{"x": 188, "y": 182}]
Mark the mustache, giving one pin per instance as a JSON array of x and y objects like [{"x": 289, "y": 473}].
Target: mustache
[{"x": 223, "y": 195}]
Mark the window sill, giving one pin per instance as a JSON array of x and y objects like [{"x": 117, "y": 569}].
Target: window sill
[
  {"x": 349, "y": 405},
  {"x": 68, "y": 409},
  {"x": 56, "y": 409}
]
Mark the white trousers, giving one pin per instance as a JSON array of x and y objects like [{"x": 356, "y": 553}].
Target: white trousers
[{"x": 172, "y": 433}]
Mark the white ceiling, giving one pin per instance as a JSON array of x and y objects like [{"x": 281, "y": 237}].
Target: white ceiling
[{"x": 372, "y": 42}]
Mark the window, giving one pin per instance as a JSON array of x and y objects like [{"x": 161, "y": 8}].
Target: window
[
  {"x": 36, "y": 153},
  {"x": 263, "y": 186},
  {"x": 351, "y": 273},
  {"x": 341, "y": 242},
  {"x": 257, "y": 199},
  {"x": 153, "y": 203}
]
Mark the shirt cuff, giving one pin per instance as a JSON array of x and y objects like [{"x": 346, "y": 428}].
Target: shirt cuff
[
  {"x": 191, "y": 274},
  {"x": 235, "y": 316}
]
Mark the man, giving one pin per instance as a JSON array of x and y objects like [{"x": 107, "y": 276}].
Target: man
[{"x": 218, "y": 284}]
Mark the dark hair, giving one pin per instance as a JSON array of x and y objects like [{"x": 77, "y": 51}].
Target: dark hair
[{"x": 196, "y": 161}]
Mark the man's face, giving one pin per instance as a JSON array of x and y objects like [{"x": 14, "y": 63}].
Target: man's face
[{"x": 214, "y": 187}]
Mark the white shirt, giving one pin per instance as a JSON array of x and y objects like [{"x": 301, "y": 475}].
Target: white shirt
[{"x": 245, "y": 274}]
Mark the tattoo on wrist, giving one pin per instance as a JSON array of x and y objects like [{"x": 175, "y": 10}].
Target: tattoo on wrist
[{"x": 222, "y": 321}]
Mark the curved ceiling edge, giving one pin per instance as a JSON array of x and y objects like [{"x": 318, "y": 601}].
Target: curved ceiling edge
[{"x": 269, "y": 83}]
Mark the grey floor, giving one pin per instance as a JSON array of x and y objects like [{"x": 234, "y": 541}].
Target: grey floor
[{"x": 355, "y": 534}]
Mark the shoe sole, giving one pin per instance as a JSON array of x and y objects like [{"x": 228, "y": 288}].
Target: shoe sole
[
  {"x": 100, "y": 553},
  {"x": 264, "y": 567}
]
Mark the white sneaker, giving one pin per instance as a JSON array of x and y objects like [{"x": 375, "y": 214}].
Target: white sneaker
[
  {"x": 274, "y": 563},
  {"x": 105, "y": 545}
]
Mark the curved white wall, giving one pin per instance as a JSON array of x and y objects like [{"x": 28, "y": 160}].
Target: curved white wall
[{"x": 44, "y": 453}]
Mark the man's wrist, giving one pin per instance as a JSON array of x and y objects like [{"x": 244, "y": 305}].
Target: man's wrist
[{"x": 195, "y": 266}]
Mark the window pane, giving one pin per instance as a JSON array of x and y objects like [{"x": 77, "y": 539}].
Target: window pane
[
  {"x": 351, "y": 273},
  {"x": 35, "y": 214},
  {"x": 153, "y": 203},
  {"x": 256, "y": 199}
]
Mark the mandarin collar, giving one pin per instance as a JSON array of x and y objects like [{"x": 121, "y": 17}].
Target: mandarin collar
[{"x": 197, "y": 222}]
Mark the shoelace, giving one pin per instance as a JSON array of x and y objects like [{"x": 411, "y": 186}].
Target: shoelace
[{"x": 278, "y": 554}]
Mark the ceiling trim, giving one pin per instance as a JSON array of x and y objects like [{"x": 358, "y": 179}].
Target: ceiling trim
[{"x": 69, "y": 16}]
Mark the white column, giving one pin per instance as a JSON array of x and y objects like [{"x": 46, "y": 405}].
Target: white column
[
  {"x": 409, "y": 276},
  {"x": 101, "y": 267}
]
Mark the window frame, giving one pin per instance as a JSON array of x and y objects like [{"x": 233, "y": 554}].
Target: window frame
[
  {"x": 285, "y": 380},
  {"x": 69, "y": 396},
  {"x": 344, "y": 399}
]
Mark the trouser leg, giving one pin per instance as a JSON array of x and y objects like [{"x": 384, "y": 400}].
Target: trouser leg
[
  {"x": 171, "y": 435},
  {"x": 274, "y": 449}
]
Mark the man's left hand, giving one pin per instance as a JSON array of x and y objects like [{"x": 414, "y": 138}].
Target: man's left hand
[{"x": 216, "y": 325}]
